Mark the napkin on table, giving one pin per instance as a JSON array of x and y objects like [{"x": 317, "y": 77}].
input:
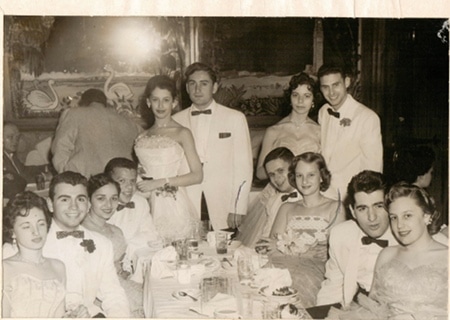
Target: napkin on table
[
  {"x": 272, "y": 278},
  {"x": 160, "y": 269}
]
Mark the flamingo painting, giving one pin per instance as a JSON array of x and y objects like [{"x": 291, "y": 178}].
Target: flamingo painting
[
  {"x": 38, "y": 99},
  {"x": 118, "y": 91}
]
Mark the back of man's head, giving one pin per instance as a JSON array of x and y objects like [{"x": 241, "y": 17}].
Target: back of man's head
[
  {"x": 92, "y": 95},
  {"x": 69, "y": 177},
  {"x": 366, "y": 181}
]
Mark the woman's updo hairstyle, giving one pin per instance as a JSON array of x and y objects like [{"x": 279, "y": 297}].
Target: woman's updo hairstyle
[{"x": 421, "y": 198}]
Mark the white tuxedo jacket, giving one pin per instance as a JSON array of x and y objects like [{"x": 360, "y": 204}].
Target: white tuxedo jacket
[
  {"x": 227, "y": 168},
  {"x": 350, "y": 149},
  {"x": 341, "y": 270}
]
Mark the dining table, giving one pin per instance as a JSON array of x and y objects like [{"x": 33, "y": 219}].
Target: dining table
[{"x": 167, "y": 298}]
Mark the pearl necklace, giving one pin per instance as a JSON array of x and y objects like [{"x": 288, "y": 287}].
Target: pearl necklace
[
  {"x": 162, "y": 126},
  {"x": 41, "y": 261},
  {"x": 296, "y": 123}
]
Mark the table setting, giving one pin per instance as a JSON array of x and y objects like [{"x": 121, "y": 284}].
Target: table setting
[{"x": 217, "y": 278}]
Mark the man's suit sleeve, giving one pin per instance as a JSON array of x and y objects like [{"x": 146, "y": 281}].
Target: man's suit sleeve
[
  {"x": 332, "y": 289},
  {"x": 63, "y": 143},
  {"x": 371, "y": 144},
  {"x": 114, "y": 300},
  {"x": 243, "y": 166}
]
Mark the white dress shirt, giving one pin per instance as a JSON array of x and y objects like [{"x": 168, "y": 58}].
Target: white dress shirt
[
  {"x": 136, "y": 224},
  {"x": 90, "y": 275},
  {"x": 200, "y": 130}
]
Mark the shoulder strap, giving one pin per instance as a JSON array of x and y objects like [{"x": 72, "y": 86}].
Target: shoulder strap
[{"x": 338, "y": 209}]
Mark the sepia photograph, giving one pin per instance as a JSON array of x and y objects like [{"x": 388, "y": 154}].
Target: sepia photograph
[{"x": 229, "y": 160}]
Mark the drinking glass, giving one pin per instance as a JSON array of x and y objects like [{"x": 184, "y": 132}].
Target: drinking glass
[
  {"x": 221, "y": 242},
  {"x": 245, "y": 269},
  {"x": 271, "y": 310}
]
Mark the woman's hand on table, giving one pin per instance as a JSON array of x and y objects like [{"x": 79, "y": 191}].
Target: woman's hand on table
[{"x": 265, "y": 245}]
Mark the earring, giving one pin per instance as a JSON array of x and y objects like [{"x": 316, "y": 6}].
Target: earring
[
  {"x": 14, "y": 242},
  {"x": 312, "y": 106},
  {"x": 429, "y": 221}
]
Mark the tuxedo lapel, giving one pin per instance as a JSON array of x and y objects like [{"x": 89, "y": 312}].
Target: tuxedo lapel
[{"x": 351, "y": 269}]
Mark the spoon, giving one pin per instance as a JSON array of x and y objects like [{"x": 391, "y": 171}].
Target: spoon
[{"x": 184, "y": 294}]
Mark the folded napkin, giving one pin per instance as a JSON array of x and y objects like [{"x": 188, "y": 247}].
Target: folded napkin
[
  {"x": 160, "y": 267},
  {"x": 272, "y": 278},
  {"x": 219, "y": 301}
]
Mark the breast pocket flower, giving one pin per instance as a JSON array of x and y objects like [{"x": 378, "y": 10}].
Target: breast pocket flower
[
  {"x": 88, "y": 245},
  {"x": 346, "y": 122}
]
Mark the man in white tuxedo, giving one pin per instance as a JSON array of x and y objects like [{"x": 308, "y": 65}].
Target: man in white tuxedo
[
  {"x": 223, "y": 144},
  {"x": 350, "y": 132},
  {"x": 264, "y": 208},
  {"x": 91, "y": 276},
  {"x": 354, "y": 245}
]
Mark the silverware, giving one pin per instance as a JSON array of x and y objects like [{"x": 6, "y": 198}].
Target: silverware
[
  {"x": 229, "y": 262},
  {"x": 184, "y": 294}
]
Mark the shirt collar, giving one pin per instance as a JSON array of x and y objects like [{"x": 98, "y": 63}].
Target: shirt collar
[{"x": 212, "y": 107}]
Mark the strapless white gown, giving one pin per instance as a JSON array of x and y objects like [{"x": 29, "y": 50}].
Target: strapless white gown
[{"x": 172, "y": 210}]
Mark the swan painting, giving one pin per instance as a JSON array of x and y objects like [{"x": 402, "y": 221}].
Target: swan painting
[
  {"x": 38, "y": 99},
  {"x": 118, "y": 91}
]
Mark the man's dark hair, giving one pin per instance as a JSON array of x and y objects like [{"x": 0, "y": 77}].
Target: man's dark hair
[
  {"x": 92, "y": 95},
  {"x": 69, "y": 177},
  {"x": 366, "y": 181},
  {"x": 279, "y": 153},
  {"x": 198, "y": 66},
  {"x": 119, "y": 163},
  {"x": 327, "y": 69}
]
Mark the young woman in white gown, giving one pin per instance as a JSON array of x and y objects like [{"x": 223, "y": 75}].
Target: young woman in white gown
[
  {"x": 168, "y": 156},
  {"x": 410, "y": 279},
  {"x": 33, "y": 286},
  {"x": 301, "y": 228}
]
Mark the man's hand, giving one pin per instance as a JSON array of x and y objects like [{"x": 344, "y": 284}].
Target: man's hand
[{"x": 234, "y": 220}]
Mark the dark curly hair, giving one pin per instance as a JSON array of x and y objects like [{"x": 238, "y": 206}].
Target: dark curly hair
[
  {"x": 158, "y": 81},
  {"x": 311, "y": 157},
  {"x": 100, "y": 180},
  {"x": 421, "y": 197},
  {"x": 21, "y": 205},
  {"x": 69, "y": 177}
]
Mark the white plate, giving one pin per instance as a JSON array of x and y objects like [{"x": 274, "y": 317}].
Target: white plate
[
  {"x": 282, "y": 299},
  {"x": 210, "y": 264}
]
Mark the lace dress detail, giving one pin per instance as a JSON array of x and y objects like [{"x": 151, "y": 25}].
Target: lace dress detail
[
  {"x": 398, "y": 289},
  {"x": 31, "y": 297},
  {"x": 172, "y": 210}
]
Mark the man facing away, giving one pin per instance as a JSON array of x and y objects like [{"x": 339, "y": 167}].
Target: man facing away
[
  {"x": 263, "y": 210},
  {"x": 350, "y": 132},
  {"x": 223, "y": 144},
  {"x": 91, "y": 276},
  {"x": 88, "y": 136}
]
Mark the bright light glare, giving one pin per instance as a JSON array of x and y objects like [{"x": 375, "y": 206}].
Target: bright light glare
[{"x": 136, "y": 43}]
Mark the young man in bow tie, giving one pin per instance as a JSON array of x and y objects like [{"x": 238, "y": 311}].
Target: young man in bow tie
[
  {"x": 354, "y": 245},
  {"x": 133, "y": 212},
  {"x": 92, "y": 284},
  {"x": 223, "y": 144},
  {"x": 263, "y": 210},
  {"x": 350, "y": 132}
]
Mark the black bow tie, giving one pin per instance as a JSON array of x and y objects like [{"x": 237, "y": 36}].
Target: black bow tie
[
  {"x": 126, "y": 205},
  {"x": 333, "y": 113},
  {"x": 197, "y": 112},
  {"x": 65, "y": 234},
  {"x": 284, "y": 197},
  {"x": 368, "y": 240}
]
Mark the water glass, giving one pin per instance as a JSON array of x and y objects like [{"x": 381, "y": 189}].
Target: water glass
[
  {"x": 245, "y": 269},
  {"x": 247, "y": 305},
  {"x": 181, "y": 248},
  {"x": 271, "y": 310},
  {"x": 183, "y": 273},
  {"x": 221, "y": 242}
]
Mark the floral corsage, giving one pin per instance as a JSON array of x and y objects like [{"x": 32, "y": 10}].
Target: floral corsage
[
  {"x": 294, "y": 243},
  {"x": 167, "y": 191},
  {"x": 346, "y": 122},
  {"x": 88, "y": 245}
]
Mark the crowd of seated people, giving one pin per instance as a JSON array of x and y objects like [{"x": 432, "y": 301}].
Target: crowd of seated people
[{"x": 350, "y": 241}]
